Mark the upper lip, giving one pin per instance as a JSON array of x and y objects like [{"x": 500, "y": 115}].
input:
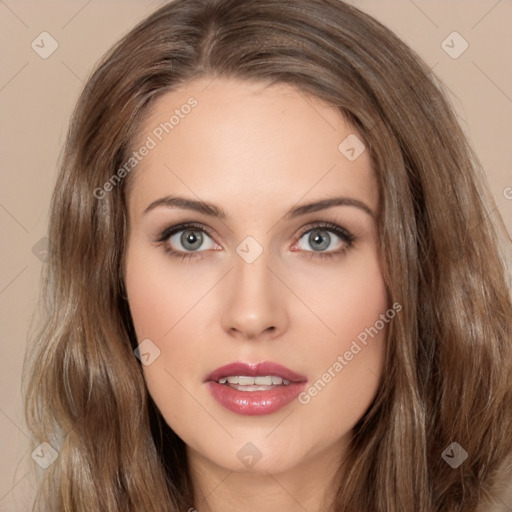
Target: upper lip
[{"x": 255, "y": 370}]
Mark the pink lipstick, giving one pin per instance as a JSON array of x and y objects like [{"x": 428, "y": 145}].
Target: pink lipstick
[{"x": 254, "y": 389}]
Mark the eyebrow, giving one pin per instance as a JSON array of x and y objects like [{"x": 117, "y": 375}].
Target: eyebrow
[{"x": 215, "y": 211}]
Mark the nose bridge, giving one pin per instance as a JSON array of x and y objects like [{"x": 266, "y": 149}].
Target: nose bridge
[
  {"x": 254, "y": 304},
  {"x": 253, "y": 276}
]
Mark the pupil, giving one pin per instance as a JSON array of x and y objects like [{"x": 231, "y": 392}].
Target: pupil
[
  {"x": 191, "y": 240},
  {"x": 319, "y": 242}
]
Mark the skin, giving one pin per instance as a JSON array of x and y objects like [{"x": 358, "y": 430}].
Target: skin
[{"x": 256, "y": 151}]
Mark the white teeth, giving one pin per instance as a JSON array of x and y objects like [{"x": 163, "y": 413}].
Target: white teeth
[
  {"x": 266, "y": 381},
  {"x": 242, "y": 380}
]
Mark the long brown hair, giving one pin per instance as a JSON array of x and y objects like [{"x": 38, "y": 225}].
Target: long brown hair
[{"x": 448, "y": 371}]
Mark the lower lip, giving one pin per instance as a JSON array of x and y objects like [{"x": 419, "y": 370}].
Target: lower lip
[{"x": 255, "y": 403}]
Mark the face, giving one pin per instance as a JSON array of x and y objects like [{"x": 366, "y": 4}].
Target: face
[{"x": 262, "y": 321}]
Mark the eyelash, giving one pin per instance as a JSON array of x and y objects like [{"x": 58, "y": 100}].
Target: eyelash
[{"x": 348, "y": 238}]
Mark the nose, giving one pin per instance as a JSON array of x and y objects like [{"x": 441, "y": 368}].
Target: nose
[{"x": 256, "y": 301}]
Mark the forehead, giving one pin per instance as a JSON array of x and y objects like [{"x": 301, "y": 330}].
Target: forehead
[{"x": 243, "y": 142}]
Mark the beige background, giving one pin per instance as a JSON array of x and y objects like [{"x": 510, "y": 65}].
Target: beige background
[{"x": 37, "y": 96}]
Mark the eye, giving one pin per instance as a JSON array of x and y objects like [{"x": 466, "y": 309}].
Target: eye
[
  {"x": 326, "y": 240},
  {"x": 190, "y": 240},
  {"x": 186, "y": 239}
]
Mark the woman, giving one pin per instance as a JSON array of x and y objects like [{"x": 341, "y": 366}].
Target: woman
[{"x": 272, "y": 280}]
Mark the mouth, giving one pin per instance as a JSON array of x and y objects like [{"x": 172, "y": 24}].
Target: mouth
[{"x": 254, "y": 389}]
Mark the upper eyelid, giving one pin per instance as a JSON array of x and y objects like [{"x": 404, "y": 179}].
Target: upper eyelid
[{"x": 183, "y": 226}]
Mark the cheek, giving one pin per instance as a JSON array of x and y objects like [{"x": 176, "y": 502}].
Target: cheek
[
  {"x": 346, "y": 298},
  {"x": 159, "y": 294},
  {"x": 350, "y": 354},
  {"x": 358, "y": 299},
  {"x": 160, "y": 299}
]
